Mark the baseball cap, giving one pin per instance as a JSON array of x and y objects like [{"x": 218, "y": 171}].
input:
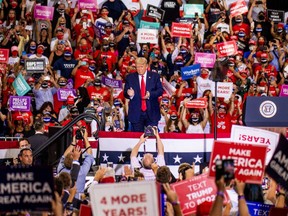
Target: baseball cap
[
  {"x": 70, "y": 100},
  {"x": 14, "y": 48},
  {"x": 68, "y": 49}
]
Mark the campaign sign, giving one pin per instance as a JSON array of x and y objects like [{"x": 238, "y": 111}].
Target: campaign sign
[
  {"x": 62, "y": 94},
  {"x": 284, "y": 91},
  {"x": 277, "y": 168},
  {"x": 168, "y": 88},
  {"x": 181, "y": 30},
  {"x": 132, "y": 198},
  {"x": 191, "y": 9},
  {"x": 20, "y": 103},
  {"x": 276, "y": 16},
  {"x": 224, "y": 89},
  {"x": 154, "y": 12},
  {"x": 88, "y": 4},
  {"x": 4, "y": 55},
  {"x": 147, "y": 36},
  {"x": 20, "y": 85},
  {"x": 34, "y": 65},
  {"x": 207, "y": 60},
  {"x": 149, "y": 25},
  {"x": 190, "y": 71},
  {"x": 249, "y": 160},
  {"x": 195, "y": 191},
  {"x": 256, "y": 136},
  {"x": 199, "y": 103},
  {"x": 227, "y": 49},
  {"x": 256, "y": 209},
  {"x": 113, "y": 83},
  {"x": 43, "y": 12},
  {"x": 238, "y": 8},
  {"x": 26, "y": 188},
  {"x": 99, "y": 29}
]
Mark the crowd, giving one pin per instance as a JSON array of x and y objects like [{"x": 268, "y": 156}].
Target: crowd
[{"x": 78, "y": 53}]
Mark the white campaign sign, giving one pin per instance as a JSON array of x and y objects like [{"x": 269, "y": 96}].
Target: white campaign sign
[
  {"x": 224, "y": 89},
  {"x": 251, "y": 135},
  {"x": 133, "y": 198},
  {"x": 147, "y": 36}
]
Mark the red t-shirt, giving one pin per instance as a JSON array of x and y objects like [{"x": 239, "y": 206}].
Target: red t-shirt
[
  {"x": 223, "y": 124},
  {"x": 99, "y": 92},
  {"x": 81, "y": 77},
  {"x": 182, "y": 96},
  {"x": 270, "y": 70},
  {"x": 109, "y": 57},
  {"x": 79, "y": 54}
]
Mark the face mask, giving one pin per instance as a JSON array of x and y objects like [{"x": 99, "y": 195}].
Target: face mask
[
  {"x": 204, "y": 76},
  {"x": 112, "y": 45},
  {"x": 60, "y": 37},
  {"x": 238, "y": 58},
  {"x": 44, "y": 85},
  {"x": 258, "y": 29},
  {"x": 62, "y": 83},
  {"x": 261, "y": 42},
  {"x": 40, "y": 51},
  {"x": 67, "y": 54},
  {"x": 231, "y": 64},
  {"x": 97, "y": 83},
  {"x": 280, "y": 30},
  {"x": 183, "y": 51},
  {"x": 241, "y": 34},
  {"x": 222, "y": 19},
  {"x": 47, "y": 119},
  {"x": 61, "y": 11},
  {"x": 173, "y": 117},
  {"x": 74, "y": 115},
  {"x": 168, "y": 50},
  {"x": 105, "y": 48},
  {"x": 251, "y": 48},
  {"x": 264, "y": 60},
  {"x": 194, "y": 119},
  {"x": 179, "y": 63},
  {"x": 14, "y": 53},
  {"x": 104, "y": 13},
  {"x": 238, "y": 20},
  {"x": 84, "y": 47},
  {"x": 32, "y": 47},
  {"x": 221, "y": 115},
  {"x": 275, "y": 47},
  {"x": 91, "y": 68},
  {"x": 155, "y": 63},
  {"x": 79, "y": 96},
  {"x": 22, "y": 61},
  {"x": 14, "y": 4}
]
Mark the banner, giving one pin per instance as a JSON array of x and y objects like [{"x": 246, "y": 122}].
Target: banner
[
  {"x": 224, "y": 89},
  {"x": 62, "y": 94},
  {"x": 195, "y": 191},
  {"x": 20, "y": 103},
  {"x": 43, "y": 12},
  {"x": 191, "y": 9},
  {"x": 181, "y": 30},
  {"x": 207, "y": 60},
  {"x": 4, "y": 56},
  {"x": 190, "y": 71},
  {"x": 35, "y": 65},
  {"x": 88, "y": 4},
  {"x": 284, "y": 91},
  {"x": 249, "y": 160},
  {"x": 26, "y": 188},
  {"x": 99, "y": 29},
  {"x": 168, "y": 88},
  {"x": 255, "y": 136},
  {"x": 20, "y": 85},
  {"x": 256, "y": 209},
  {"x": 238, "y": 8},
  {"x": 113, "y": 83},
  {"x": 154, "y": 12},
  {"x": 277, "y": 168},
  {"x": 147, "y": 36},
  {"x": 132, "y": 198},
  {"x": 276, "y": 16},
  {"x": 199, "y": 103},
  {"x": 149, "y": 25},
  {"x": 227, "y": 49}
]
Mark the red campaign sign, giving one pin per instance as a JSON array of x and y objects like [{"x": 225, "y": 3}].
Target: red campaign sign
[
  {"x": 249, "y": 160},
  {"x": 181, "y": 30},
  {"x": 195, "y": 191},
  {"x": 227, "y": 49},
  {"x": 197, "y": 103},
  {"x": 4, "y": 55},
  {"x": 238, "y": 8}
]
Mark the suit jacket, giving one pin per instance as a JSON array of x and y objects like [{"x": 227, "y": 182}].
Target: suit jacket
[
  {"x": 154, "y": 86},
  {"x": 36, "y": 141}
]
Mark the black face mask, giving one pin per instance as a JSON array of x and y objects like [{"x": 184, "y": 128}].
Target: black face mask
[
  {"x": 97, "y": 83},
  {"x": 62, "y": 83},
  {"x": 261, "y": 17},
  {"x": 173, "y": 117},
  {"x": 155, "y": 63},
  {"x": 61, "y": 11},
  {"x": 44, "y": 85},
  {"x": 194, "y": 119}
]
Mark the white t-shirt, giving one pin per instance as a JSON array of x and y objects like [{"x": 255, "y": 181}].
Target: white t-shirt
[
  {"x": 224, "y": 27},
  {"x": 202, "y": 85},
  {"x": 194, "y": 129}
]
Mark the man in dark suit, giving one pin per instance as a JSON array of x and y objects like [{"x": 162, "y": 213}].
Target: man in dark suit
[
  {"x": 37, "y": 140},
  {"x": 143, "y": 89}
]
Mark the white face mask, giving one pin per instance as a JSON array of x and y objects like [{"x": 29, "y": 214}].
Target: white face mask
[{"x": 251, "y": 48}]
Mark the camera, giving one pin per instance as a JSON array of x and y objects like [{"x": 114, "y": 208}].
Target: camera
[
  {"x": 225, "y": 168},
  {"x": 148, "y": 131},
  {"x": 265, "y": 183},
  {"x": 79, "y": 135}
]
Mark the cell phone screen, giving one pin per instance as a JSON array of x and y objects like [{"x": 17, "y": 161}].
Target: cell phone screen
[{"x": 228, "y": 169}]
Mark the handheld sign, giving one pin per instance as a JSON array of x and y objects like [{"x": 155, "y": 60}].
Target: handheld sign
[
  {"x": 276, "y": 16},
  {"x": 154, "y": 12},
  {"x": 62, "y": 94},
  {"x": 147, "y": 36},
  {"x": 88, "y": 4},
  {"x": 199, "y": 103},
  {"x": 181, "y": 30},
  {"x": 249, "y": 160},
  {"x": 190, "y": 71},
  {"x": 113, "y": 83},
  {"x": 227, "y": 49},
  {"x": 195, "y": 191},
  {"x": 191, "y": 9},
  {"x": 284, "y": 91},
  {"x": 4, "y": 55},
  {"x": 35, "y": 65},
  {"x": 133, "y": 198},
  {"x": 224, "y": 89},
  {"x": 26, "y": 188},
  {"x": 20, "y": 103},
  {"x": 238, "y": 8},
  {"x": 256, "y": 209},
  {"x": 43, "y": 12},
  {"x": 20, "y": 85},
  {"x": 278, "y": 165},
  {"x": 149, "y": 25},
  {"x": 207, "y": 60},
  {"x": 255, "y": 136}
]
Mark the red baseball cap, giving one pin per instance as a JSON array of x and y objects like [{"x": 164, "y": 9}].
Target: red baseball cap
[
  {"x": 70, "y": 100},
  {"x": 264, "y": 55}
]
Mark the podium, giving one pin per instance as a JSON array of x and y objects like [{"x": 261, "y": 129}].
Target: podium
[{"x": 266, "y": 112}]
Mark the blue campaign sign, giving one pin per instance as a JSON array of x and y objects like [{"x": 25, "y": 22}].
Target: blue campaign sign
[
  {"x": 20, "y": 85},
  {"x": 256, "y": 209},
  {"x": 190, "y": 71},
  {"x": 26, "y": 188}
]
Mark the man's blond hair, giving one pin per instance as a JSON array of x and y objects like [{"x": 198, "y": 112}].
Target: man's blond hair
[{"x": 141, "y": 60}]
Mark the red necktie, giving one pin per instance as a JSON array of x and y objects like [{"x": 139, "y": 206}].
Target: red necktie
[{"x": 143, "y": 93}]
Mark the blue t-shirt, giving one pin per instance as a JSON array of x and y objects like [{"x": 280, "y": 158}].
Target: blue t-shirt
[{"x": 65, "y": 66}]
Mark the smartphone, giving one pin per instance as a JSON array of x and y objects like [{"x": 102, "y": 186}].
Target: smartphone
[
  {"x": 109, "y": 119},
  {"x": 218, "y": 167},
  {"x": 228, "y": 169},
  {"x": 84, "y": 25},
  {"x": 265, "y": 183},
  {"x": 85, "y": 11}
]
